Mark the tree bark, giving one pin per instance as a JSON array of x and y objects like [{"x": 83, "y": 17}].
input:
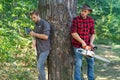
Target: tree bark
[{"x": 59, "y": 14}]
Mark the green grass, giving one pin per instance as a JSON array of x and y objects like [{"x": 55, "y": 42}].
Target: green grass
[
  {"x": 9, "y": 71},
  {"x": 25, "y": 69}
]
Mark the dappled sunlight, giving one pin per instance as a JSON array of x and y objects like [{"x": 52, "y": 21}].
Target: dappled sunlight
[
  {"x": 109, "y": 71},
  {"x": 1, "y": 7},
  {"x": 117, "y": 67},
  {"x": 109, "y": 52},
  {"x": 113, "y": 57},
  {"x": 12, "y": 72},
  {"x": 17, "y": 58},
  {"x": 102, "y": 70},
  {"x": 116, "y": 46},
  {"x": 101, "y": 78}
]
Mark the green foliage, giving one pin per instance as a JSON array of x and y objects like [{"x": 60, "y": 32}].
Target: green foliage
[
  {"x": 14, "y": 15},
  {"x": 15, "y": 46},
  {"x": 106, "y": 15}
]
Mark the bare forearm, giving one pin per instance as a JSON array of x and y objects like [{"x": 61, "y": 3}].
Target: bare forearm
[
  {"x": 92, "y": 38},
  {"x": 77, "y": 37},
  {"x": 41, "y": 36}
]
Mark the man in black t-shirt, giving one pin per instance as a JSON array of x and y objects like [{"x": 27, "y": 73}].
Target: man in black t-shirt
[{"x": 41, "y": 42}]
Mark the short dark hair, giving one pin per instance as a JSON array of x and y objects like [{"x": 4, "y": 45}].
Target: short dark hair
[{"x": 36, "y": 12}]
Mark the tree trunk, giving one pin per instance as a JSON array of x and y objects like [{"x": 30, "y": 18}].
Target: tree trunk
[{"x": 59, "y": 13}]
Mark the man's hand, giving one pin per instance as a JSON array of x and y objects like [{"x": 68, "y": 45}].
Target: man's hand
[
  {"x": 87, "y": 47},
  {"x": 32, "y": 33},
  {"x": 92, "y": 45},
  {"x": 84, "y": 44},
  {"x": 41, "y": 36},
  {"x": 77, "y": 37}
]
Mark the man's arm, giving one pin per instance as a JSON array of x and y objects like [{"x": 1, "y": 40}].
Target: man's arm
[
  {"x": 77, "y": 37},
  {"x": 74, "y": 33},
  {"x": 92, "y": 38},
  {"x": 92, "y": 32},
  {"x": 33, "y": 43},
  {"x": 41, "y": 36},
  {"x": 45, "y": 34}
]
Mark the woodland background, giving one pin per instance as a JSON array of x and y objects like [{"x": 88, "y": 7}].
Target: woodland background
[{"x": 17, "y": 59}]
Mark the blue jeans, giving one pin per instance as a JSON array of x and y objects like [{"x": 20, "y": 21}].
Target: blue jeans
[
  {"x": 40, "y": 64},
  {"x": 78, "y": 65}
]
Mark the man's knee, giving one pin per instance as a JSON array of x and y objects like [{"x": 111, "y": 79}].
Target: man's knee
[{"x": 78, "y": 64}]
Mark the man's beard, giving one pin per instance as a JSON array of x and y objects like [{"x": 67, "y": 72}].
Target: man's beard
[{"x": 83, "y": 16}]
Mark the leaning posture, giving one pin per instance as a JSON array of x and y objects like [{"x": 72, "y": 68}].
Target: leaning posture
[
  {"x": 83, "y": 34},
  {"x": 41, "y": 42}
]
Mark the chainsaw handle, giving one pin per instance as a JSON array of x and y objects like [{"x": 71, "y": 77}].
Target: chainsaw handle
[{"x": 95, "y": 48}]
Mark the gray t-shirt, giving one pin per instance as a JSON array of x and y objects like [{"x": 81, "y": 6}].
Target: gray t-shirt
[{"x": 42, "y": 27}]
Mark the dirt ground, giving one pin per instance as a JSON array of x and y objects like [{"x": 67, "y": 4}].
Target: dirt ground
[
  {"x": 103, "y": 71},
  {"x": 107, "y": 71}
]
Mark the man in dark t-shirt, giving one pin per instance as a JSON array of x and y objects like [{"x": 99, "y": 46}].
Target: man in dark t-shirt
[
  {"x": 83, "y": 34},
  {"x": 41, "y": 42}
]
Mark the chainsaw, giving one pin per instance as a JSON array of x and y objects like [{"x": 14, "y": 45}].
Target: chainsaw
[{"x": 91, "y": 54}]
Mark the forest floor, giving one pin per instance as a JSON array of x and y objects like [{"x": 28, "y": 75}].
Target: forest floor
[{"x": 103, "y": 71}]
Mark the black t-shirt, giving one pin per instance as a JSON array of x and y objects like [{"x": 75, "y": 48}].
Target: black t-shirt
[{"x": 42, "y": 27}]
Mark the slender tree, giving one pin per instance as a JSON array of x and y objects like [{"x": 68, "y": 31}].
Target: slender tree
[{"x": 59, "y": 13}]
